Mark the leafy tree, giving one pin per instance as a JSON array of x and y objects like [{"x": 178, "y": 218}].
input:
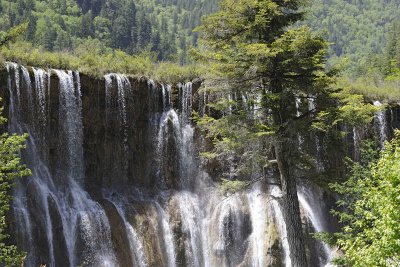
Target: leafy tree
[
  {"x": 12, "y": 34},
  {"x": 261, "y": 65},
  {"x": 370, "y": 209},
  {"x": 102, "y": 28},
  {"x": 10, "y": 169}
]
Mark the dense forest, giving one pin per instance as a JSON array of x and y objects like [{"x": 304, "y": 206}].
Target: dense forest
[
  {"x": 357, "y": 30},
  {"x": 162, "y": 27}
]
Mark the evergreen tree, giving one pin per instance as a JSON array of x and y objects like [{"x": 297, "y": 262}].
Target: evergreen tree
[
  {"x": 50, "y": 35},
  {"x": 144, "y": 33},
  {"x": 87, "y": 27},
  {"x": 259, "y": 56}
]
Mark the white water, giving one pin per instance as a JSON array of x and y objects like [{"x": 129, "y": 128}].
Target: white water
[
  {"x": 123, "y": 87},
  {"x": 73, "y": 205},
  {"x": 276, "y": 194},
  {"x": 186, "y": 99},
  {"x": 189, "y": 209},
  {"x": 310, "y": 203},
  {"x": 213, "y": 230},
  {"x": 70, "y": 112},
  {"x": 258, "y": 215},
  {"x": 135, "y": 241},
  {"x": 167, "y": 236},
  {"x": 380, "y": 117},
  {"x": 318, "y": 155}
]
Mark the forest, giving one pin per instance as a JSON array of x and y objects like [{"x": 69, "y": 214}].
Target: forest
[{"x": 209, "y": 133}]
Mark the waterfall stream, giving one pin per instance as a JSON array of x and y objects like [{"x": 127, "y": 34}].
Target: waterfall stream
[
  {"x": 380, "y": 121},
  {"x": 179, "y": 217}
]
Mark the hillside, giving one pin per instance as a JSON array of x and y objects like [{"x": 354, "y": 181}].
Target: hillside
[
  {"x": 357, "y": 29},
  {"x": 161, "y": 27}
]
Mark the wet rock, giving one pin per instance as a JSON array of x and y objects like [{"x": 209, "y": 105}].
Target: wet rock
[
  {"x": 59, "y": 244},
  {"x": 39, "y": 224},
  {"x": 119, "y": 236},
  {"x": 144, "y": 219}
]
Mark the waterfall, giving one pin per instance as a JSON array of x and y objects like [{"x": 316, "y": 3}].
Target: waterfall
[
  {"x": 41, "y": 92},
  {"x": 123, "y": 85},
  {"x": 356, "y": 144},
  {"x": 381, "y": 124},
  {"x": 319, "y": 153},
  {"x": 185, "y": 91},
  {"x": 189, "y": 210},
  {"x": 276, "y": 193},
  {"x": 310, "y": 202},
  {"x": 63, "y": 218},
  {"x": 60, "y": 207},
  {"x": 298, "y": 114},
  {"x": 135, "y": 242},
  {"x": 166, "y": 96},
  {"x": 258, "y": 215},
  {"x": 118, "y": 102},
  {"x": 71, "y": 123},
  {"x": 168, "y": 236},
  {"x": 41, "y": 77}
]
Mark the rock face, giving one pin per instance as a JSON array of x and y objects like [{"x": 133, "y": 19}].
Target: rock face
[{"x": 117, "y": 181}]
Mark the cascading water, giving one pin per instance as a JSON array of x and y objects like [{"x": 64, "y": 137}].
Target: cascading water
[
  {"x": 135, "y": 242},
  {"x": 318, "y": 157},
  {"x": 116, "y": 103},
  {"x": 56, "y": 210},
  {"x": 183, "y": 219},
  {"x": 298, "y": 114},
  {"x": 310, "y": 202},
  {"x": 380, "y": 120}
]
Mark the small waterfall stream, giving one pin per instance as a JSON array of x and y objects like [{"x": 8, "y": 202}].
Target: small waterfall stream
[
  {"x": 380, "y": 121},
  {"x": 310, "y": 202},
  {"x": 179, "y": 217}
]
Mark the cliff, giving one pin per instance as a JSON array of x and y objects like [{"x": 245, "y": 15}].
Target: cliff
[{"x": 116, "y": 179}]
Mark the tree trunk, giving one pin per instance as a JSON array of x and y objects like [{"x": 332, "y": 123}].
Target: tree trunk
[{"x": 291, "y": 208}]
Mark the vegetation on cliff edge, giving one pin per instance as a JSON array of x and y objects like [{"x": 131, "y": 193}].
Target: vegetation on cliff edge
[{"x": 10, "y": 170}]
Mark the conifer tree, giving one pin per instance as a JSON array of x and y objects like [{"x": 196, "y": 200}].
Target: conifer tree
[{"x": 259, "y": 57}]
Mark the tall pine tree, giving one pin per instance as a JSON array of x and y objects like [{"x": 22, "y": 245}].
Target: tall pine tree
[{"x": 272, "y": 85}]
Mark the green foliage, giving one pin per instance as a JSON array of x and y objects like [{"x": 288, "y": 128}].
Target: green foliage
[
  {"x": 230, "y": 187},
  {"x": 165, "y": 28},
  {"x": 93, "y": 58},
  {"x": 373, "y": 87},
  {"x": 10, "y": 169},
  {"x": 370, "y": 208},
  {"x": 357, "y": 30},
  {"x": 174, "y": 73},
  {"x": 12, "y": 34},
  {"x": 352, "y": 110},
  {"x": 255, "y": 52}
]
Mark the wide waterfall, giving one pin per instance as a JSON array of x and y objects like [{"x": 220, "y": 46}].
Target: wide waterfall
[{"x": 117, "y": 181}]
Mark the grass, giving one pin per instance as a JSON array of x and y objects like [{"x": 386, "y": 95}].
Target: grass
[
  {"x": 93, "y": 60},
  {"x": 373, "y": 88}
]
